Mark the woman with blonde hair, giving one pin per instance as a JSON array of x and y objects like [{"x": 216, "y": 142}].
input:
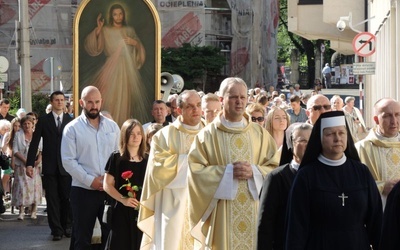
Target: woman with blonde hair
[
  {"x": 257, "y": 113},
  {"x": 123, "y": 181},
  {"x": 277, "y": 121}
]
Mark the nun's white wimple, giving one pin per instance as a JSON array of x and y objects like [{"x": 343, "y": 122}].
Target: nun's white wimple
[{"x": 332, "y": 122}]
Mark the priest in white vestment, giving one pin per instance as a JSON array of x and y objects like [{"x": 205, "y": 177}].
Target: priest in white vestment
[
  {"x": 163, "y": 215},
  {"x": 227, "y": 163},
  {"x": 380, "y": 150}
]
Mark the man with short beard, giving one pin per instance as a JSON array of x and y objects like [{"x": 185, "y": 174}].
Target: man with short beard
[{"x": 86, "y": 146}]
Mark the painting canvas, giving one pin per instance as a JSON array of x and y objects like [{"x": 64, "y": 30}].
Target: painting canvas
[{"x": 117, "y": 49}]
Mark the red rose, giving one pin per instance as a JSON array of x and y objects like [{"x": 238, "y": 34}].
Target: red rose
[{"x": 126, "y": 175}]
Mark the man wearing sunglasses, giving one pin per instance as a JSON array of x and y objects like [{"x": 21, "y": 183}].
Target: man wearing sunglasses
[{"x": 317, "y": 105}]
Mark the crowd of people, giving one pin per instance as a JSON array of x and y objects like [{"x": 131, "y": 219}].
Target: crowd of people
[{"x": 236, "y": 169}]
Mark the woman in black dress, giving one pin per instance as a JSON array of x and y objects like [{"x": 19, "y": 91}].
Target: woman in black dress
[{"x": 123, "y": 181}]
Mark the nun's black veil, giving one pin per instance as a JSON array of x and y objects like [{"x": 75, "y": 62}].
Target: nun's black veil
[
  {"x": 287, "y": 146},
  {"x": 286, "y": 154},
  {"x": 314, "y": 146}
]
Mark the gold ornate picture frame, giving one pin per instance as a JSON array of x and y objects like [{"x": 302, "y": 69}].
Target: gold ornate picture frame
[{"x": 117, "y": 48}]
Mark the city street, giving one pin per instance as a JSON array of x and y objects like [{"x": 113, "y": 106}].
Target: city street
[{"x": 28, "y": 234}]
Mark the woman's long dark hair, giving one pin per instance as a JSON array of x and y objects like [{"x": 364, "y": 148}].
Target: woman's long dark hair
[{"x": 126, "y": 131}]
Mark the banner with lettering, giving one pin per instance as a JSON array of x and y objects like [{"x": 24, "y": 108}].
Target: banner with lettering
[{"x": 182, "y": 22}]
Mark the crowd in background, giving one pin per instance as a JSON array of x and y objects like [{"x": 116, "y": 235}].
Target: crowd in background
[{"x": 166, "y": 168}]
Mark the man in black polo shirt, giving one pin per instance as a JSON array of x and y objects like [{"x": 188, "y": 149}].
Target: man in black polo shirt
[{"x": 4, "y": 108}]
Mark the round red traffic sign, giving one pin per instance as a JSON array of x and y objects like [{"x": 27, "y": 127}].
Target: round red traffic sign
[{"x": 364, "y": 44}]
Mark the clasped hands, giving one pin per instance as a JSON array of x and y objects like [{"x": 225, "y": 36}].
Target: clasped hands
[
  {"x": 29, "y": 171},
  {"x": 389, "y": 186},
  {"x": 97, "y": 183},
  {"x": 242, "y": 170}
]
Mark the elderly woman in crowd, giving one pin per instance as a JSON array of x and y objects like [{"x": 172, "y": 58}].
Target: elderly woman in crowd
[
  {"x": 251, "y": 96},
  {"x": 26, "y": 191},
  {"x": 256, "y": 113},
  {"x": 354, "y": 119},
  {"x": 276, "y": 188},
  {"x": 279, "y": 103},
  {"x": 336, "y": 103}
]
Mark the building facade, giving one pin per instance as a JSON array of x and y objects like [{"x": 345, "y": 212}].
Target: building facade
[
  {"x": 318, "y": 19},
  {"x": 244, "y": 30}
]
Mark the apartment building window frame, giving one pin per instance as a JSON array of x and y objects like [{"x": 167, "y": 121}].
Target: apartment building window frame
[{"x": 309, "y": 2}]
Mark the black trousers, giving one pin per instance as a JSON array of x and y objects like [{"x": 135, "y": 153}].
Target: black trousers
[
  {"x": 87, "y": 205},
  {"x": 59, "y": 214}
]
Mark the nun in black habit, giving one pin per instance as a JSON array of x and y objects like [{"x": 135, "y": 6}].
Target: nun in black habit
[
  {"x": 391, "y": 221},
  {"x": 334, "y": 202},
  {"x": 276, "y": 187}
]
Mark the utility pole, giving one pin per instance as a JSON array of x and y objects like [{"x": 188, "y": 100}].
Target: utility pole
[{"x": 24, "y": 56}]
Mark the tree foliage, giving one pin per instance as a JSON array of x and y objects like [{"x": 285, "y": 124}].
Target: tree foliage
[
  {"x": 288, "y": 41},
  {"x": 192, "y": 62},
  {"x": 39, "y": 102}
]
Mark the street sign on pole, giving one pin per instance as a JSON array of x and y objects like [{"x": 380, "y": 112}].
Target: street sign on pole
[
  {"x": 364, "y": 68},
  {"x": 364, "y": 44},
  {"x": 4, "y": 64},
  {"x": 3, "y": 77}
]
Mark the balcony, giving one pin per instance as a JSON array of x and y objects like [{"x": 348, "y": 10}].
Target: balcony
[{"x": 318, "y": 21}]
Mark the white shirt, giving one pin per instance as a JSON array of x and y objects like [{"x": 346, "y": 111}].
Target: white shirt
[
  {"x": 85, "y": 150},
  {"x": 56, "y": 116}
]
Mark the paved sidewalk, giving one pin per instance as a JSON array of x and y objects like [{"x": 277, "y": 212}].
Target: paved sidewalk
[{"x": 28, "y": 234}]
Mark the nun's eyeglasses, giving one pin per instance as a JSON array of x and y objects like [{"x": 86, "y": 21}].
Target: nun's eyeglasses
[
  {"x": 301, "y": 141},
  {"x": 319, "y": 107}
]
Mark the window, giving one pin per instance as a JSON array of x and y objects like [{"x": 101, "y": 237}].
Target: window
[{"x": 306, "y": 2}]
